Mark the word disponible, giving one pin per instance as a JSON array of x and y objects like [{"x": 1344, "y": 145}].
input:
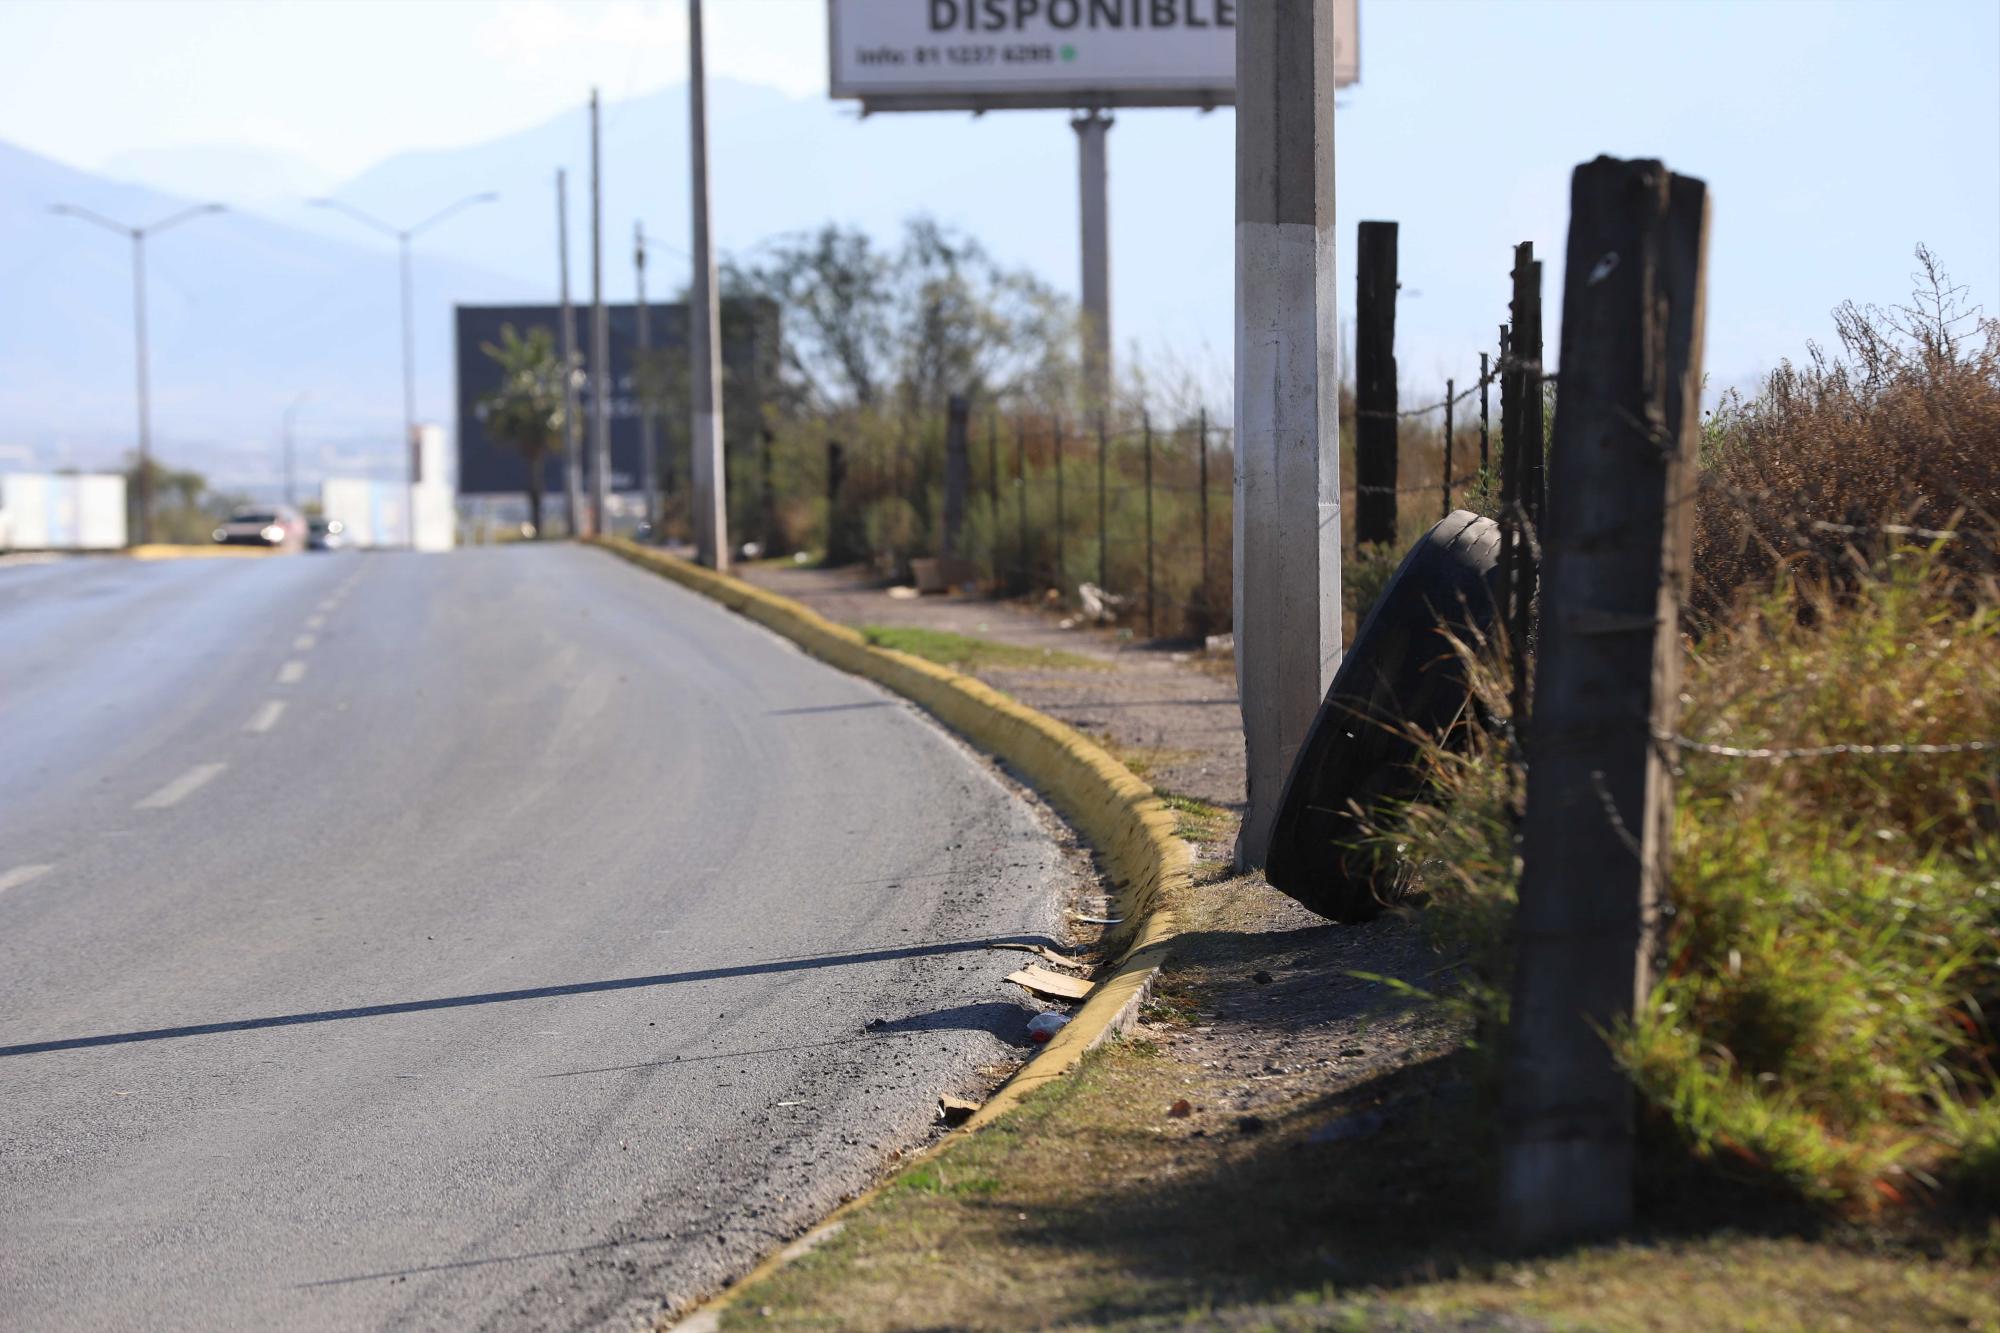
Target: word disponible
[{"x": 1090, "y": 15}]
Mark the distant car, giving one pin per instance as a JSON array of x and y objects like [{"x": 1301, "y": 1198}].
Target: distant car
[
  {"x": 252, "y": 526},
  {"x": 325, "y": 534}
]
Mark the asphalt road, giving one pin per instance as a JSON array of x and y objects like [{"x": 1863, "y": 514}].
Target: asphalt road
[{"x": 483, "y": 940}]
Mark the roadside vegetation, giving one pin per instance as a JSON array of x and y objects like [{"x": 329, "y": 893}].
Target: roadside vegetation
[
  {"x": 962, "y": 652},
  {"x": 1821, "y": 1029},
  {"x": 1819, "y": 1102}
]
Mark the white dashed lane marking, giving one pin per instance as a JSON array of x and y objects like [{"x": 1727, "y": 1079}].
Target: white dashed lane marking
[
  {"x": 267, "y": 716},
  {"x": 291, "y": 673},
  {"x": 315, "y": 621},
  {"x": 303, "y": 643},
  {"x": 19, "y": 875},
  {"x": 182, "y": 787}
]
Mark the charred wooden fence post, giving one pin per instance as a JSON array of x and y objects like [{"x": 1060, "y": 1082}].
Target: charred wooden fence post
[
  {"x": 1524, "y": 344},
  {"x": 1614, "y": 564},
  {"x": 1375, "y": 385},
  {"x": 841, "y": 548},
  {"x": 957, "y": 473}
]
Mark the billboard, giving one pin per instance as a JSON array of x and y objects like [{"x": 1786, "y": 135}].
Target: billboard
[
  {"x": 487, "y": 467},
  {"x": 976, "y": 55}
]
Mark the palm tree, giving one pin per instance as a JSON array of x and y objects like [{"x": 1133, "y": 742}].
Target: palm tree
[{"x": 526, "y": 411}]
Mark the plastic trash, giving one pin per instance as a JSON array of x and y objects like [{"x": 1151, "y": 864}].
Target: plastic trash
[{"x": 1044, "y": 1026}]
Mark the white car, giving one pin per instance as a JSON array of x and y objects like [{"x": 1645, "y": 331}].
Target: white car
[{"x": 255, "y": 526}]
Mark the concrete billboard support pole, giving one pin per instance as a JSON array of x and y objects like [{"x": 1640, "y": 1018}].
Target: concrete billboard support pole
[
  {"x": 1287, "y": 520},
  {"x": 1094, "y": 183},
  {"x": 711, "y": 514}
]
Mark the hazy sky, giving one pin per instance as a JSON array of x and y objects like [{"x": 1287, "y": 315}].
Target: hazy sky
[{"x": 1835, "y": 134}]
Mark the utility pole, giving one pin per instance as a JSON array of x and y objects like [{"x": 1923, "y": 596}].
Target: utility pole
[
  {"x": 572, "y": 438},
  {"x": 291, "y": 471},
  {"x": 600, "y": 348},
  {"x": 139, "y": 235},
  {"x": 711, "y": 513},
  {"x": 649, "y": 446},
  {"x": 1093, "y": 191},
  {"x": 1287, "y": 515},
  {"x": 404, "y": 235}
]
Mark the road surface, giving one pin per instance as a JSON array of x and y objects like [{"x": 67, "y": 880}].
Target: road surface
[{"x": 474, "y": 941}]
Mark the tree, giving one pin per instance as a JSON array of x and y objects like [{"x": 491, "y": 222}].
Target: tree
[
  {"x": 527, "y": 411},
  {"x": 867, "y": 328}
]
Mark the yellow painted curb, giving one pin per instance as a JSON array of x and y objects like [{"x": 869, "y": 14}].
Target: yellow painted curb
[
  {"x": 162, "y": 551},
  {"x": 1119, "y": 815}
]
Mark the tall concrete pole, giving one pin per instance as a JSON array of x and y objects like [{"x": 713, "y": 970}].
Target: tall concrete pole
[
  {"x": 572, "y": 437},
  {"x": 1287, "y": 520},
  {"x": 1094, "y": 185},
  {"x": 600, "y": 347},
  {"x": 711, "y": 514},
  {"x": 649, "y": 445}
]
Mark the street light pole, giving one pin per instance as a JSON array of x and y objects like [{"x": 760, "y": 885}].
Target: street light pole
[
  {"x": 404, "y": 235},
  {"x": 649, "y": 451},
  {"x": 139, "y": 235}
]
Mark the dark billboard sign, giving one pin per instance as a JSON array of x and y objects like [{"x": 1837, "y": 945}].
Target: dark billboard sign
[{"x": 487, "y": 467}]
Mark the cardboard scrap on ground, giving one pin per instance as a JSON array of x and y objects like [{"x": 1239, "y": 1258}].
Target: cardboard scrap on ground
[{"x": 1055, "y": 985}]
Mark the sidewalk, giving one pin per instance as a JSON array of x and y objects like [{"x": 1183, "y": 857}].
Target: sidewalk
[{"x": 1171, "y": 715}]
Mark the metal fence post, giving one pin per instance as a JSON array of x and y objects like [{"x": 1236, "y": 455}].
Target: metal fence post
[
  {"x": 1103, "y": 546},
  {"x": 1202, "y": 449},
  {"x": 1485, "y": 378},
  {"x": 1448, "y": 391},
  {"x": 1062, "y": 575},
  {"x": 1151, "y": 623},
  {"x": 1021, "y": 498}
]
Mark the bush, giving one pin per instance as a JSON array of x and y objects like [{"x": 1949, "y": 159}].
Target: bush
[{"x": 1903, "y": 432}]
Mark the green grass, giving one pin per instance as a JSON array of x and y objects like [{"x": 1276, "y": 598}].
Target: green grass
[
  {"x": 1820, "y": 1027},
  {"x": 963, "y": 653}
]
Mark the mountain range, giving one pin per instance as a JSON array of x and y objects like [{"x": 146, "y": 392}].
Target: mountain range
[{"x": 252, "y": 308}]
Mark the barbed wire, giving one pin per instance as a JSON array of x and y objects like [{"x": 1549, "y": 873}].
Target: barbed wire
[
  {"x": 1418, "y": 488},
  {"x": 1493, "y": 372},
  {"x": 1782, "y": 753}
]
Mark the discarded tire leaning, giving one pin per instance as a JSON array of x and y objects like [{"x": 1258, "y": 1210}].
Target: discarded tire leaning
[{"x": 1400, "y": 681}]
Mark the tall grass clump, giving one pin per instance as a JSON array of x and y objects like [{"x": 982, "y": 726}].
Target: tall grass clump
[{"x": 1832, "y": 960}]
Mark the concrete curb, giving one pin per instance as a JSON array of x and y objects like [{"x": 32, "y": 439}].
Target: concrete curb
[{"x": 1119, "y": 815}]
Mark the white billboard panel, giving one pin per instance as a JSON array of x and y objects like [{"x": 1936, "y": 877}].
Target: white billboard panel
[
  {"x": 975, "y": 54},
  {"x": 64, "y": 512}
]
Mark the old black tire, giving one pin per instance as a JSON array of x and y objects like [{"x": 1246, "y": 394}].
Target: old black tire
[{"x": 1401, "y": 679}]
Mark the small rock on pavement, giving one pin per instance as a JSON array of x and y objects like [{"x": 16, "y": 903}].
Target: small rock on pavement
[
  {"x": 1250, "y": 1124},
  {"x": 1262, "y": 978},
  {"x": 1180, "y": 1110}
]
